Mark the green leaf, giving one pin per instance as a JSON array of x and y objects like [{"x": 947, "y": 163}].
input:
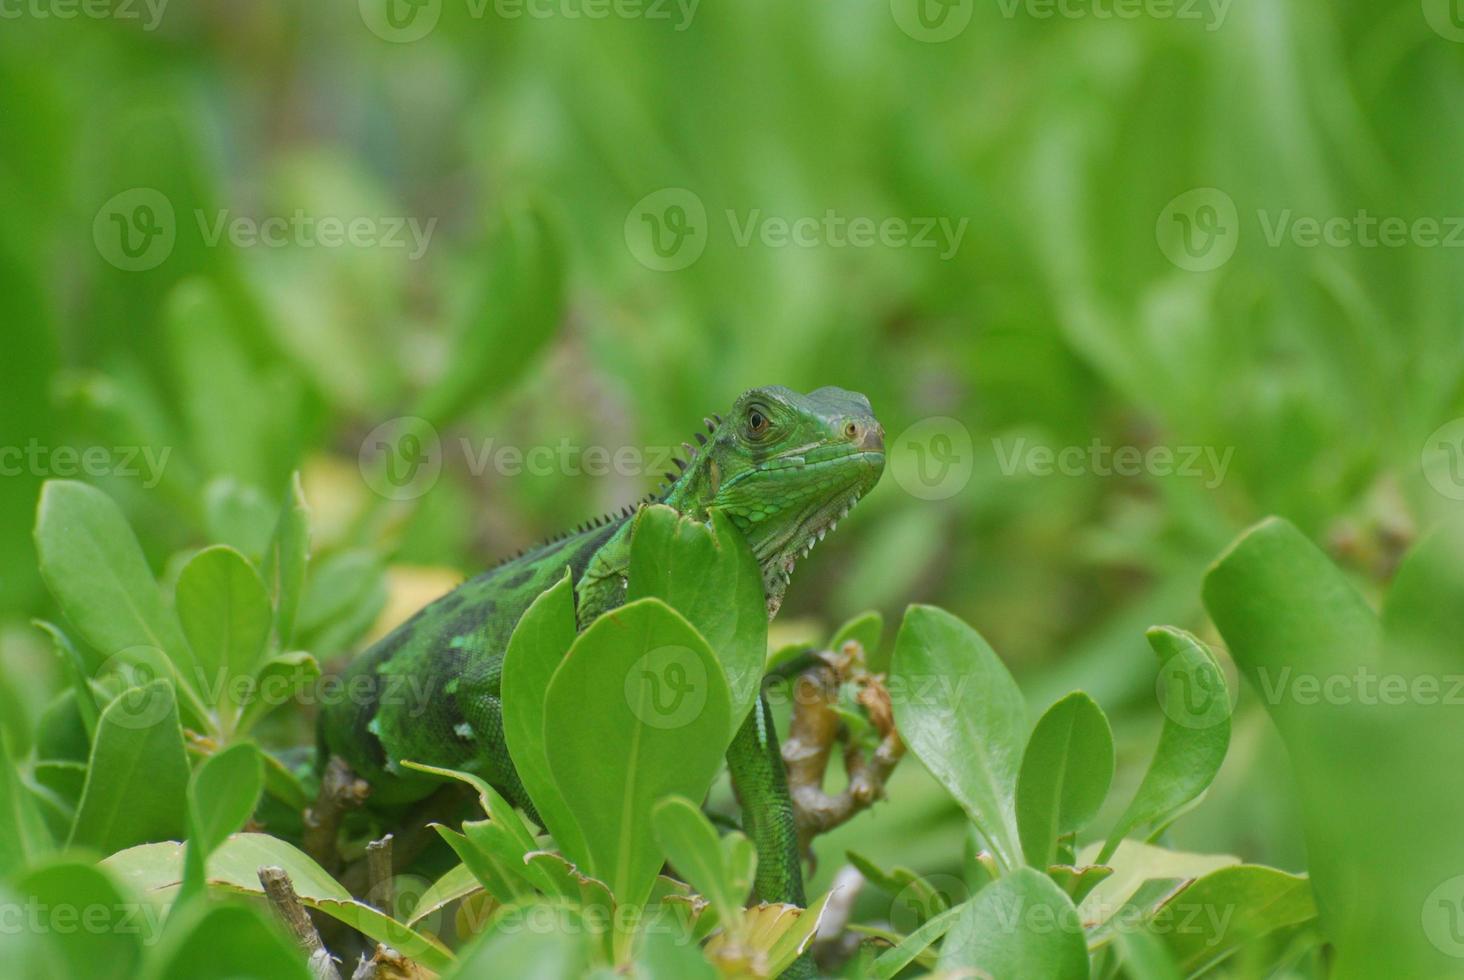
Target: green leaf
[
  {"x": 289, "y": 553},
  {"x": 1143, "y": 876},
  {"x": 281, "y": 678},
  {"x": 905, "y": 952},
  {"x": 638, "y": 711},
  {"x": 342, "y": 598},
  {"x": 1213, "y": 916},
  {"x": 517, "y": 312},
  {"x": 1065, "y": 775},
  {"x": 707, "y": 573},
  {"x": 76, "y": 673},
  {"x": 225, "y": 614},
  {"x": 229, "y": 942},
  {"x": 537, "y": 647},
  {"x": 221, "y": 797},
  {"x": 692, "y": 845},
  {"x": 866, "y": 630},
  {"x": 137, "y": 779},
  {"x": 23, "y": 832},
  {"x": 1193, "y": 740},
  {"x": 93, "y": 565},
  {"x": 664, "y": 955},
  {"x": 525, "y": 954},
  {"x": 155, "y": 871},
  {"x": 238, "y": 515},
  {"x": 456, "y": 884},
  {"x": 961, "y": 713},
  {"x": 1020, "y": 926},
  {"x": 92, "y": 926}
]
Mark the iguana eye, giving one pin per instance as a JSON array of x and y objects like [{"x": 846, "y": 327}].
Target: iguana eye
[{"x": 757, "y": 423}]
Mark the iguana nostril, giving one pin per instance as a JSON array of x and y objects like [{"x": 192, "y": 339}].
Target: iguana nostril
[{"x": 873, "y": 440}]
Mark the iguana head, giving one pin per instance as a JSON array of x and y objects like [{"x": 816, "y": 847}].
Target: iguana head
[{"x": 785, "y": 467}]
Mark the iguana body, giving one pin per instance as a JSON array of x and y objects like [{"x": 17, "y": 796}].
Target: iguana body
[{"x": 783, "y": 466}]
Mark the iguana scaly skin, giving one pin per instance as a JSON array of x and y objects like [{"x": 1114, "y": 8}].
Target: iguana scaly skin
[{"x": 784, "y": 467}]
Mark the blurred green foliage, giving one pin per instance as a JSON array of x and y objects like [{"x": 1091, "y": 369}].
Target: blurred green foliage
[{"x": 527, "y": 145}]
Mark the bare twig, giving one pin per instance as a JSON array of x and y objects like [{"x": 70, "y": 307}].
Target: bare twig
[
  {"x": 282, "y": 898},
  {"x": 340, "y": 791},
  {"x": 379, "y": 874},
  {"x": 816, "y": 727}
]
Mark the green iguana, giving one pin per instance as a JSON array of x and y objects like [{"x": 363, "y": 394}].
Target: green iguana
[{"x": 784, "y": 467}]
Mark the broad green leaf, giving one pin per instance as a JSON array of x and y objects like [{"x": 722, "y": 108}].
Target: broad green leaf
[
  {"x": 225, "y": 614},
  {"x": 282, "y": 678},
  {"x": 75, "y": 669},
  {"x": 961, "y": 713},
  {"x": 238, "y": 515},
  {"x": 289, "y": 553},
  {"x": 155, "y": 872},
  {"x": 637, "y": 711},
  {"x": 490, "y": 859},
  {"x": 93, "y": 928},
  {"x": 1423, "y": 617},
  {"x": 457, "y": 883},
  {"x": 517, "y": 312},
  {"x": 1020, "y": 926},
  {"x": 229, "y": 942},
  {"x": 1213, "y": 916},
  {"x": 27, "y": 952},
  {"x": 1065, "y": 775},
  {"x": 1143, "y": 875},
  {"x": 537, "y": 647},
  {"x": 866, "y": 629},
  {"x": 707, "y": 573},
  {"x": 23, "y": 832},
  {"x": 93, "y": 565},
  {"x": 664, "y": 955},
  {"x": 524, "y": 954},
  {"x": 1194, "y": 737},
  {"x": 221, "y": 797},
  {"x": 137, "y": 779},
  {"x": 343, "y": 596},
  {"x": 692, "y": 845},
  {"x": 905, "y": 952}
]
